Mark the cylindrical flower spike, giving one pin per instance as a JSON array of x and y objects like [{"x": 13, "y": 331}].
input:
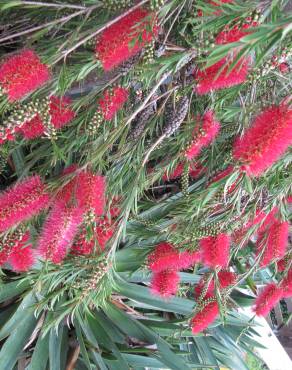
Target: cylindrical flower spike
[
  {"x": 218, "y": 76},
  {"x": 273, "y": 241},
  {"x": 234, "y": 34},
  {"x": 203, "y": 136},
  {"x": 59, "y": 231},
  {"x": 225, "y": 279},
  {"x": 22, "y": 255},
  {"x": 165, "y": 283},
  {"x": 165, "y": 256},
  {"x": 205, "y": 317},
  {"x": 115, "y": 44},
  {"x": 90, "y": 193},
  {"x": 267, "y": 299},
  {"x": 21, "y": 74},
  {"x": 112, "y": 101},
  {"x": 215, "y": 250},
  {"x": 265, "y": 141},
  {"x": 22, "y": 201}
]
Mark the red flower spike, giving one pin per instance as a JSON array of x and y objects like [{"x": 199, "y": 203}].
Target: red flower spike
[
  {"x": 67, "y": 191},
  {"x": 22, "y": 74},
  {"x": 274, "y": 242},
  {"x": 90, "y": 193},
  {"x": 215, "y": 250},
  {"x": 205, "y": 317},
  {"x": 22, "y": 201},
  {"x": 60, "y": 112},
  {"x": 22, "y": 255},
  {"x": 165, "y": 283},
  {"x": 234, "y": 34},
  {"x": 112, "y": 101},
  {"x": 203, "y": 136},
  {"x": 218, "y": 76},
  {"x": 267, "y": 299},
  {"x": 265, "y": 141},
  {"x": 59, "y": 231},
  {"x": 165, "y": 256},
  {"x": 281, "y": 265},
  {"x": 286, "y": 285},
  {"x": 115, "y": 44}
]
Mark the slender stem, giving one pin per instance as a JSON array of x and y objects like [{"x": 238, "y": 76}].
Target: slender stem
[
  {"x": 107, "y": 25},
  {"x": 152, "y": 92},
  {"x": 33, "y": 29},
  {"x": 152, "y": 148},
  {"x": 52, "y": 5}
]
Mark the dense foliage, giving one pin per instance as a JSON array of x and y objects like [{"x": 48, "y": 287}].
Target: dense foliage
[{"x": 146, "y": 180}]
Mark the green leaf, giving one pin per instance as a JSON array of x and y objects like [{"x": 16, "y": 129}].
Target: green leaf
[
  {"x": 10, "y": 290},
  {"x": 16, "y": 341},
  {"x": 40, "y": 354}
]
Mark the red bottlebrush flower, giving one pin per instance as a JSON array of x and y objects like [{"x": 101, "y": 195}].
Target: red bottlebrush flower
[
  {"x": 22, "y": 256},
  {"x": 195, "y": 171},
  {"x": 60, "y": 113},
  {"x": 90, "y": 192},
  {"x": 215, "y": 250},
  {"x": 239, "y": 234},
  {"x": 284, "y": 67},
  {"x": 267, "y": 299},
  {"x": 22, "y": 201},
  {"x": 21, "y": 74},
  {"x": 289, "y": 199},
  {"x": 32, "y": 128},
  {"x": 165, "y": 256},
  {"x": 115, "y": 44},
  {"x": 218, "y": 76},
  {"x": 59, "y": 231},
  {"x": 104, "y": 231},
  {"x": 112, "y": 101},
  {"x": 286, "y": 285},
  {"x": 273, "y": 241},
  {"x": 203, "y": 136},
  {"x": 165, "y": 283},
  {"x": 281, "y": 264},
  {"x": 205, "y": 317},
  {"x": 265, "y": 141},
  {"x": 234, "y": 34}
]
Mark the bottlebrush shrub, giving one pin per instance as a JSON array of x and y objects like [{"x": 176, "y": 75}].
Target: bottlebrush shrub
[
  {"x": 286, "y": 285},
  {"x": 59, "y": 231},
  {"x": 267, "y": 299},
  {"x": 22, "y": 201},
  {"x": 272, "y": 242},
  {"x": 206, "y": 316},
  {"x": 21, "y": 74},
  {"x": 90, "y": 193},
  {"x": 125, "y": 38},
  {"x": 60, "y": 115},
  {"x": 112, "y": 101},
  {"x": 165, "y": 256},
  {"x": 203, "y": 135},
  {"x": 215, "y": 250},
  {"x": 225, "y": 279},
  {"x": 218, "y": 76},
  {"x": 165, "y": 283},
  {"x": 265, "y": 141}
]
